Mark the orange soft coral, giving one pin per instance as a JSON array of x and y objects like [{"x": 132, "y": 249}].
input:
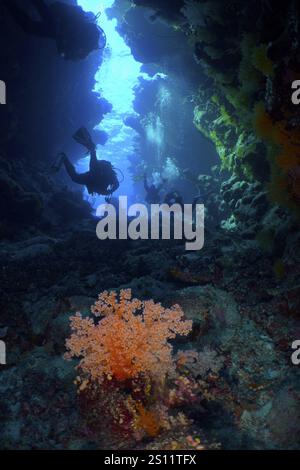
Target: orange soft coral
[
  {"x": 288, "y": 141},
  {"x": 130, "y": 339},
  {"x": 147, "y": 421},
  {"x": 284, "y": 157}
]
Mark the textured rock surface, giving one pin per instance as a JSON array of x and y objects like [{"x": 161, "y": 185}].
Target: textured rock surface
[{"x": 241, "y": 290}]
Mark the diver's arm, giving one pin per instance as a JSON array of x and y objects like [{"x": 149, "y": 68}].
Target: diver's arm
[
  {"x": 162, "y": 184},
  {"x": 115, "y": 185},
  {"x": 195, "y": 201}
]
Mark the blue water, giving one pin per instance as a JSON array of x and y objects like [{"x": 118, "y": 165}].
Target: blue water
[{"x": 115, "y": 81}]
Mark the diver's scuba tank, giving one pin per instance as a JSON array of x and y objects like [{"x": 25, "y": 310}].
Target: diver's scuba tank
[{"x": 83, "y": 137}]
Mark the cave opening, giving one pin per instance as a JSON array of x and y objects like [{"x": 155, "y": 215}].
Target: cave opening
[
  {"x": 141, "y": 135},
  {"x": 115, "y": 80}
]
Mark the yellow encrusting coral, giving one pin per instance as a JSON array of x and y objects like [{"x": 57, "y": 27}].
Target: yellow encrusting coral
[
  {"x": 261, "y": 61},
  {"x": 284, "y": 156}
]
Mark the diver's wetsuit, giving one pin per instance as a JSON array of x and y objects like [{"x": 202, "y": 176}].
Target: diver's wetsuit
[
  {"x": 153, "y": 196},
  {"x": 174, "y": 197},
  {"x": 75, "y": 36},
  {"x": 101, "y": 178}
]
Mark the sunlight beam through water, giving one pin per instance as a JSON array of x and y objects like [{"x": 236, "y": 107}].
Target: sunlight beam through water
[{"x": 115, "y": 81}]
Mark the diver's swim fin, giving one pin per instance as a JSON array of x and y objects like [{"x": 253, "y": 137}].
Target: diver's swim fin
[{"x": 83, "y": 137}]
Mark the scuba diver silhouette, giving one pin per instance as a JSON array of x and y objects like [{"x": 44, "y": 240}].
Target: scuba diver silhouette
[
  {"x": 75, "y": 35},
  {"x": 174, "y": 197},
  {"x": 101, "y": 177},
  {"x": 153, "y": 191}
]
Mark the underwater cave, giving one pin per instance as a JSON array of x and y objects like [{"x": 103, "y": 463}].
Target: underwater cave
[{"x": 130, "y": 340}]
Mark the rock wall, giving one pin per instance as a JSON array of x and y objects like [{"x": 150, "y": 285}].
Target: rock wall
[
  {"x": 247, "y": 57},
  {"x": 47, "y": 98}
]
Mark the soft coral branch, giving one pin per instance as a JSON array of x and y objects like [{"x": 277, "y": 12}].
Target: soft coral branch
[{"x": 130, "y": 338}]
